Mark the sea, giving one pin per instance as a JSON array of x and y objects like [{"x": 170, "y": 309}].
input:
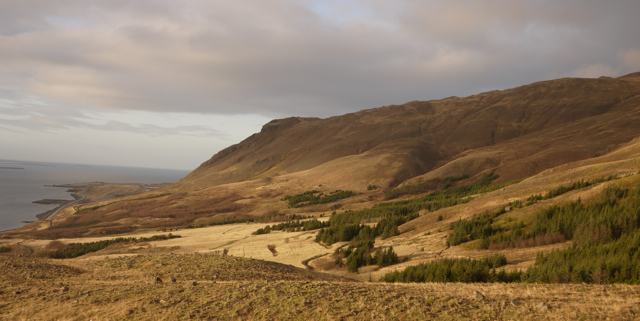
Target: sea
[{"x": 23, "y": 182}]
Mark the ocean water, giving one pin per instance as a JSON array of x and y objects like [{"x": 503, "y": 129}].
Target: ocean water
[{"x": 21, "y": 183}]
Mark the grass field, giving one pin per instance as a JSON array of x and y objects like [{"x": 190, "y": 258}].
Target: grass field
[{"x": 246, "y": 289}]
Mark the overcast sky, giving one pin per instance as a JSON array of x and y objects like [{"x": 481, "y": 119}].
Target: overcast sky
[{"x": 167, "y": 84}]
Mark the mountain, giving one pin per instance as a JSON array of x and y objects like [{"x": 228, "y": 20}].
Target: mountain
[
  {"x": 515, "y": 133},
  {"x": 558, "y": 125}
]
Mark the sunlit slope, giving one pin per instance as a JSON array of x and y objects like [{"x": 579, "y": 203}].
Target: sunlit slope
[{"x": 516, "y": 132}]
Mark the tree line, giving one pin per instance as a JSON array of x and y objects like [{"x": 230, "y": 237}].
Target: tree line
[
  {"x": 293, "y": 226},
  {"x": 310, "y": 198},
  {"x": 605, "y": 249},
  {"x": 516, "y": 234},
  {"x": 425, "y": 186},
  {"x": 73, "y": 250},
  {"x": 455, "y": 270}
]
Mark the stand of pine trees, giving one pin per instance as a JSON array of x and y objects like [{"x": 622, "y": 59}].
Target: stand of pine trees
[
  {"x": 605, "y": 250},
  {"x": 455, "y": 270}
]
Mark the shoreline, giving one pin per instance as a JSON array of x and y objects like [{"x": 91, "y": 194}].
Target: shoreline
[
  {"x": 30, "y": 176},
  {"x": 77, "y": 191},
  {"x": 51, "y": 213}
]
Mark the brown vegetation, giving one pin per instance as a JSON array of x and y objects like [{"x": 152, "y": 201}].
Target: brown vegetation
[
  {"x": 152, "y": 212},
  {"x": 237, "y": 288},
  {"x": 55, "y": 245},
  {"x": 516, "y": 133}
]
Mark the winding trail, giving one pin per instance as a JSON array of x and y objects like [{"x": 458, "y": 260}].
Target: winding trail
[
  {"x": 306, "y": 261},
  {"x": 61, "y": 207}
]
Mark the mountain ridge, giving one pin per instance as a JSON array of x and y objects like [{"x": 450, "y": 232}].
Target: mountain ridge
[
  {"x": 439, "y": 132},
  {"x": 513, "y": 134}
]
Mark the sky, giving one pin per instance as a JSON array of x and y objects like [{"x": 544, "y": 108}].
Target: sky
[{"x": 167, "y": 84}]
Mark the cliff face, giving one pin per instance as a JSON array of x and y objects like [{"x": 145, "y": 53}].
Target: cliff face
[{"x": 516, "y": 133}]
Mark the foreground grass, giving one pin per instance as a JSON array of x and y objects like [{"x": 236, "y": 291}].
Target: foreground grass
[{"x": 243, "y": 289}]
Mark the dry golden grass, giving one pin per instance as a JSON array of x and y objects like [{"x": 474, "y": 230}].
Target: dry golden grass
[
  {"x": 237, "y": 239},
  {"x": 237, "y": 288}
]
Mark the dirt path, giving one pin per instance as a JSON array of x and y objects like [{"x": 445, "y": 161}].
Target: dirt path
[
  {"x": 231, "y": 229},
  {"x": 61, "y": 207},
  {"x": 306, "y": 262}
]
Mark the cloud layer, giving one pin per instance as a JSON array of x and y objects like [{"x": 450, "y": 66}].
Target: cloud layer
[
  {"x": 30, "y": 113},
  {"x": 311, "y": 58},
  {"x": 168, "y": 83}
]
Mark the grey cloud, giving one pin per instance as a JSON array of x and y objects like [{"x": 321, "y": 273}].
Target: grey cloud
[
  {"x": 31, "y": 114},
  {"x": 53, "y": 123},
  {"x": 282, "y": 58},
  {"x": 149, "y": 129}
]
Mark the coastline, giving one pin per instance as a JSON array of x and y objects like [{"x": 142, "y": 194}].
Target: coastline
[
  {"x": 78, "y": 196},
  {"x": 23, "y": 182}
]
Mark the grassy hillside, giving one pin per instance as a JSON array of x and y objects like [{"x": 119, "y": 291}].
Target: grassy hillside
[{"x": 502, "y": 190}]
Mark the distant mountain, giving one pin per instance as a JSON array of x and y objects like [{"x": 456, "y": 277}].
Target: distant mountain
[{"x": 516, "y": 133}]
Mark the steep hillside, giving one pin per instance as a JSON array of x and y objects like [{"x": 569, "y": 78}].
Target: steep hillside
[{"x": 517, "y": 132}]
